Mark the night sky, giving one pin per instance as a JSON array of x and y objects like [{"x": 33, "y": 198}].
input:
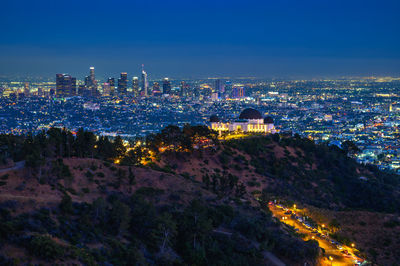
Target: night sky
[{"x": 280, "y": 38}]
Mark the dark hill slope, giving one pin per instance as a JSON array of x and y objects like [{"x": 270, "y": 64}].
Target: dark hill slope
[
  {"x": 87, "y": 211},
  {"x": 292, "y": 168}
]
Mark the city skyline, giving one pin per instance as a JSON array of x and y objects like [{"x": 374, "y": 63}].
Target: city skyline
[{"x": 189, "y": 40}]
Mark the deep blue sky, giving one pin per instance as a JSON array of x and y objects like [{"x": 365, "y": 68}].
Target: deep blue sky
[{"x": 279, "y": 38}]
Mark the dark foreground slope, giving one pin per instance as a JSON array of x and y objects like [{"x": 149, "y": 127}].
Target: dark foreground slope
[
  {"x": 357, "y": 203},
  {"x": 70, "y": 204},
  {"x": 87, "y": 211}
]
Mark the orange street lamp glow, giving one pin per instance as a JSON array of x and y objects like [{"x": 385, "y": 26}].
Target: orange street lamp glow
[{"x": 353, "y": 245}]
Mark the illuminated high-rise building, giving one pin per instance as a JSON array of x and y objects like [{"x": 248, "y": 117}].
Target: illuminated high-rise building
[
  {"x": 135, "y": 86},
  {"x": 26, "y": 89},
  {"x": 73, "y": 86},
  {"x": 145, "y": 83},
  {"x": 111, "y": 82},
  {"x": 65, "y": 85},
  {"x": 83, "y": 91},
  {"x": 219, "y": 87},
  {"x": 91, "y": 83},
  {"x": 166, "y": 86},
  {"x": 92, "y": 77},
  {"x": 183, "y": 92},
  {"x": 237, "y": 91},
  {"x": 40, "y": 92},
  {"x": 106, "y": 89},
  {"x": 156, "y": 89},
  {"x": 228, "y": 89},
  {"x": 123, "y": 84}
]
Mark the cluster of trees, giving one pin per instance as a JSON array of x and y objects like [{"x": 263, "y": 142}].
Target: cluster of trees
[
  {"x": 224, "y": 184},
  {"x": 329, "y": 167},
  {"x": 58, "y": 143},
  {"x": 131, "y": 230},
  {"x": 177, "y": 139},
  {"x": 171, "y": 138}
]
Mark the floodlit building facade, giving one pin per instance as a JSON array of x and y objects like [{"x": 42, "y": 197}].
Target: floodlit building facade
[{"x": 250, "y": 121}]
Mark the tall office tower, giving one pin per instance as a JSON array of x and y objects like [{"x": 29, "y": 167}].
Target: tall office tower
[
  {"x": 238, "y": 92},
  {"x": 40, "y": 92},
  {"x": 65, "y": 85},
  {"x": 228, "y": 89},
  {"x": 73, "y": 87},
  {"x": 106, "y": 89},
  {"x": 26, "y": 89},
  {"x": 145, "y": 83},
  {"x": 83, "y": 91},
  {"x": 91, "y": 75},
  {"x": 87, "y": 82},
  {"x": 166, "y": 86},
  {"x": 219, "y": 87},
  {"x": 135, "y": 86},
  {"x": 111, "y": 82},
  {"x": 183, "y": 91},
  {"x": 123, "y": 84},
  {"x": 90, "y": 81},
  {"x": 156, "y": 89}
]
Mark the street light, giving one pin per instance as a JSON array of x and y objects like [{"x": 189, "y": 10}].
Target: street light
[
  {"x": 353, "y": 245},
  {"x": 294, "y": 206},
  {"x": 331, "y": 259}
]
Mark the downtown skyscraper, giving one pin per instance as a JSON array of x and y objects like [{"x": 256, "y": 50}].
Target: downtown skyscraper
[
  {"x": 145, "y": 83},
  {"x": 123, "y": 84},
  {"x": 135, "y": 86},
  {"x": 166, "y": 86},
  {"x": 65, "y": 85},
  {"x": 91, "y": 83}
]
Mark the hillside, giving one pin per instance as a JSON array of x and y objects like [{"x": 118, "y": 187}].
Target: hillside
[
  {"x": 100, "y": 213},
  {"x": 185, "y": 198},
  {"x": 318, "y": 177}
]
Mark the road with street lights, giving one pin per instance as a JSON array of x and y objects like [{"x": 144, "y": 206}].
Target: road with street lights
[{"x": 335, "y": 254}]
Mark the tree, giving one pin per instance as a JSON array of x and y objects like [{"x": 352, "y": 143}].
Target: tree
[
  {"x": 165, "y": 231},
  {"x": 105, "y": 148},
  {"x": 99, "y": 212},
  {"x": 66, "y": 204},
  {"x": 119, "y": 147},
  {"x": 119, "y": 217},
  {"x": 135, "y": 156},
  {"x": 172, "y": 136},
  {"x": 350, "y": 147},
  {"x": 35, "y": 161}
]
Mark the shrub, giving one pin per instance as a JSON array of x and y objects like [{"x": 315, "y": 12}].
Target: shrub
[
  {"x": 253, "y": 183},
  {"x": 149, "y": 191},
  {"x": 100, "y": 174},
  {"x": 45, "y": 247},
  {"x": 88, "y": 174},
  {"x": 391, "y": 224}
]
